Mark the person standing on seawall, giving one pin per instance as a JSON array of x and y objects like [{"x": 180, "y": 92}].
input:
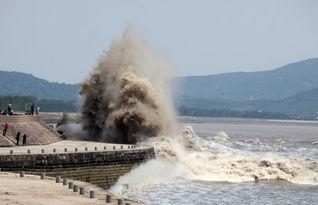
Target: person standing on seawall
[
  {"x": 32, "y": 109},
  {"x": 18, "y": 138},
  {"x": 5, "y": 129},
  {"x": 24, "y": 139}
]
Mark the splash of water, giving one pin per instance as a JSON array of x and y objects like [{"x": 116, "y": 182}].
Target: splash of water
[
  {"x": 207, "y": 160},
  {"x": 126, "y": 97}
]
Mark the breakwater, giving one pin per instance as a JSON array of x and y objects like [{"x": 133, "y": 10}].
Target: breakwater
[{"x": 100, "y": 168}]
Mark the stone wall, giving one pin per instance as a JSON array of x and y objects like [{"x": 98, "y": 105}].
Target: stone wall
[{"x": 100, "y": 168}]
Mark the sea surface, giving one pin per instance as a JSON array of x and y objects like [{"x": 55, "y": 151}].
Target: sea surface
[{"x": 234, "y": 161}]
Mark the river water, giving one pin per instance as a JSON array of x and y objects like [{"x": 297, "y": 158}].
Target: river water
[{"x": 230, "y": 161}]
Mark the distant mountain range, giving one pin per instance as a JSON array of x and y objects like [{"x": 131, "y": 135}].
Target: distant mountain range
[
  {"x": 22, "y": 84},
  {"x": 291, "y": 89},
  {"x": 264, "y": 85},
  {"x": 304, "y": 103}
]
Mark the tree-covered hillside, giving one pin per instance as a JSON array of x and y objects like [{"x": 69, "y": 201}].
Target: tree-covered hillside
[
  {"x": 291, "y": 90},
  {"x": 304, "y": 103},
  {"x": 243, "y": 86},
  {"x": 21, "y": 84},
  {"x": 23, "y": 103}
]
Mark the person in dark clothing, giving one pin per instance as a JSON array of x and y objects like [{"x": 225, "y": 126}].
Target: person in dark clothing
[
  {"x": 18, "y": 138},
  {"x": 32, "y": 109},
  {"x": 5, "y": 129},
  {"x": 24, "y": 139},
  {"x": 9, "y": 109}
]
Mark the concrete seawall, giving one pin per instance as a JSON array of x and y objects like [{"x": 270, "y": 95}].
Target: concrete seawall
[
  {"x": 38, "y": 133},
  {"x": 99, "y": 168}
]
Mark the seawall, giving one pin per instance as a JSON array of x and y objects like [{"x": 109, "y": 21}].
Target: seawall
[
  {"x": 99, "y": 168},
  {"x": 37, "y": 132}
]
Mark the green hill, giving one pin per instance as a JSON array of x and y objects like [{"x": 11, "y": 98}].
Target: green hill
[
  {"x": 21, "y": 84},
  {"x": 243, "y": 86},
  {"x": 291, "y": 89},
  {"x": 304, "y": 103},
  {"x": 23, "y": 103}
]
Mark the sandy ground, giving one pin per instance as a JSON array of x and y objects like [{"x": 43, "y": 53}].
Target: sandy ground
[
  {"x": 31, "y": 190},
  {"x": 60, "y": 146}
]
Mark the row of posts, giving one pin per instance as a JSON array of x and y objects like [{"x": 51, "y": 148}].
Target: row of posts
[
  {"x": 76, "y": 149},
  {"x": 76, "y": 188},
  {"x": 81, "y": 190}
]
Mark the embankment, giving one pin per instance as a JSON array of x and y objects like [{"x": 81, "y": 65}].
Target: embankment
[
  {"x": 37, "y": 132},
  {"x": 99, "y": 168}
]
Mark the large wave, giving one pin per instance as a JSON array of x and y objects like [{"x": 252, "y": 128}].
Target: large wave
[
  {"x": 126, "y": 97},
  {"x": 189, "y": 156}
]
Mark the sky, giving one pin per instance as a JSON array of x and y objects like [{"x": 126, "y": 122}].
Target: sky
[{"x": 61, "y": 40}]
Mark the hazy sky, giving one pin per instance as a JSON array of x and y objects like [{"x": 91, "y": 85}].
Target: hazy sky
[{"x": 61, "y": 40}]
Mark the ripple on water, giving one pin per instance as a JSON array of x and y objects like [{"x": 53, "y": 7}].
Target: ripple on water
[{"x": 194, "y": 192}]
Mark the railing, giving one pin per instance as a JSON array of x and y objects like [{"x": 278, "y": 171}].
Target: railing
[{"x": 67, "y": 149}]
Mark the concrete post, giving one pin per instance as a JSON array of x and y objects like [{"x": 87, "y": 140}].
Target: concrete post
[
  {"x": 42, "y": 151},
  {"x": 58, "y": 179},
  {"x": 75, "y": 188},
  {"x": 11, "y": 151},
  {"x": 120, "y": 202},
  {"x": 29, "y": 151},
  {"x": 65, "y": 182},
  {"x": 70, "y": 185},
  {"x": 76, "y": 149},
  {"x": 109, "y": 198},
  {"x": 256, "y": 179},
  {"x": 82, "y": 190},
  {"x": 65, "y": 149},
  {"x": 92, "y": 194},
  {"x": 22, "y": 173},
  {"x": 42, "y": 176}
]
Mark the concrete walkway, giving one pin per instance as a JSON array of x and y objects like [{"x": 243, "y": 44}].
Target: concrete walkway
[
  {"x": 69, "y": 145},
  {"x": 31, "y": 190}
]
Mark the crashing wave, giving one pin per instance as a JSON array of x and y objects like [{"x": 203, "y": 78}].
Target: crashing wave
[{"x": 202, "y": 159}]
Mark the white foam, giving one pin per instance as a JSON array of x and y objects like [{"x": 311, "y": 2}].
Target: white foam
[
  {"x": 189, "y": 156},
  {"x": 152, "y": 172},
  {"x": 315, "y": 142},
  {"x": 221, "y": 136}
]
